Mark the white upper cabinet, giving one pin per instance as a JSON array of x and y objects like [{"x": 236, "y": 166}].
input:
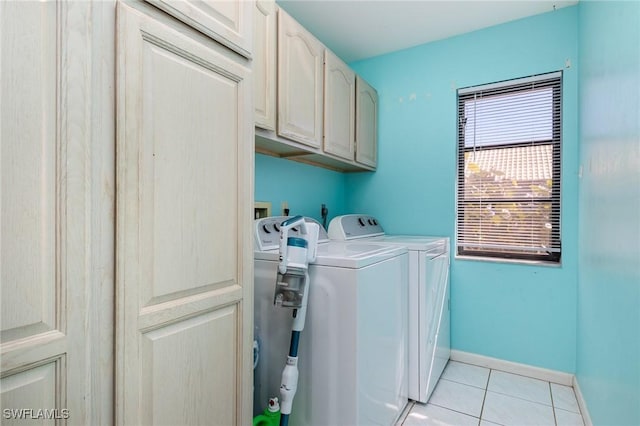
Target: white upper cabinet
[
  {"x": 366, "y": 123},
  {"x": 226, "y": 21},
  {"x": 309, "y": 105},
  {"x": 264, "y": 64},
  {"x": 300, "y": 82},
  {"x": 339, "y": 107}
]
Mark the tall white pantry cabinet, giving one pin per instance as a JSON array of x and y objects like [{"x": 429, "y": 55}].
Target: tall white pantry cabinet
[{"x": 126, "y": 191}]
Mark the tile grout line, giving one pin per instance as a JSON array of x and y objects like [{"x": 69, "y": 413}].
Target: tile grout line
[
  {"x": 553, "y": 406},
  {"x": 484, "y": 397},
  {"x": 521, "y": 398},
  {"x": 453, "y": 411},
  {"x": 461, "y": 383}
]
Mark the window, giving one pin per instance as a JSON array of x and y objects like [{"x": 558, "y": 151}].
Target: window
[{"x": 508, "y": 190}]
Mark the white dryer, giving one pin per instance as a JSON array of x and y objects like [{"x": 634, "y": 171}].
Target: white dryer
[
  {"x": 429, "y": 306},
  {"x": 353, "y": 350}
]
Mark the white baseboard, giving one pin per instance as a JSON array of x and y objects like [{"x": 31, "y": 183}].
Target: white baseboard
[
  {"x": 554, "y": 376},
  {"x": 581, "y": 403}
]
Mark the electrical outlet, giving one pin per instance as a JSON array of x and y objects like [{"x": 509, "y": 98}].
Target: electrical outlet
[{"x": 283, "y": 207}]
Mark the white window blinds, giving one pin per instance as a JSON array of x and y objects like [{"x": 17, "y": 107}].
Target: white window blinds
[{"x": 508, "y": 191}]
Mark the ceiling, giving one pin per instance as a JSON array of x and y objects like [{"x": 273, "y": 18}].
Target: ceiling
[{"x": 358, "y": 29}]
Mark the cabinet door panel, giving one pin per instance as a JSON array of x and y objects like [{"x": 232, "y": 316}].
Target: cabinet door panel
[
  {"x": 35, "y": 388},
  {"x": 366, "y": 123},
  {"x": 29, "y": 169},
  {"x": 184, "y": 263},
  {"x": 300, "y": 83},
  {"x": 264, "y": 64},
  {"x": 187, "y": 375},
  {"x": 339, "y": 107},
  {"x": 227, "y": 21}
]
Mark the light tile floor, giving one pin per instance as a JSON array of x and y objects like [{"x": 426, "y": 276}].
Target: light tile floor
[{"x": 471, "y": 395}]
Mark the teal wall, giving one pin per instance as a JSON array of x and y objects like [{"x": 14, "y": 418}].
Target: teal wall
[
  {"x": 305, "y": 188},
  {"x": 608, "y": 333},
  {"x": 521, "y": 313}
]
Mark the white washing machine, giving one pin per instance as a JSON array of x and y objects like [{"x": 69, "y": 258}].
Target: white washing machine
[
  {"x": 429, "y": 305},
  {"x": 353, "y": 349}
]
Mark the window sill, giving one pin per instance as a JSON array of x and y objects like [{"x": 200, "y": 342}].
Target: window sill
[{"x": 511, "y": 261}]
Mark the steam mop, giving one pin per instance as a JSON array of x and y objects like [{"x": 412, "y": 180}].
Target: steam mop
[{"x": 292, "y": 291}]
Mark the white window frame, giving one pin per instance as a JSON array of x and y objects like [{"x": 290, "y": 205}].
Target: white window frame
[{"x": 473, "y": 244}]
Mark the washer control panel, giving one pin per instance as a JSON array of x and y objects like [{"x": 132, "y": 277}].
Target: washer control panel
[
  {"x": 353, "y": 226},
  {"x": 267, "y": 232}
]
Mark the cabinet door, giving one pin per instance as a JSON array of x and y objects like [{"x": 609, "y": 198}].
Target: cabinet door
[
  {"x": 264, "y": 64},
  {"x": 56, "y": 293},
  {"x": 339, "y": 107},
  {"x": 227, "y": 21},
  {"x": 184, "y": 258},
  {"x": 300, "y": 63},
  {"x": 366, "y": 123}
]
